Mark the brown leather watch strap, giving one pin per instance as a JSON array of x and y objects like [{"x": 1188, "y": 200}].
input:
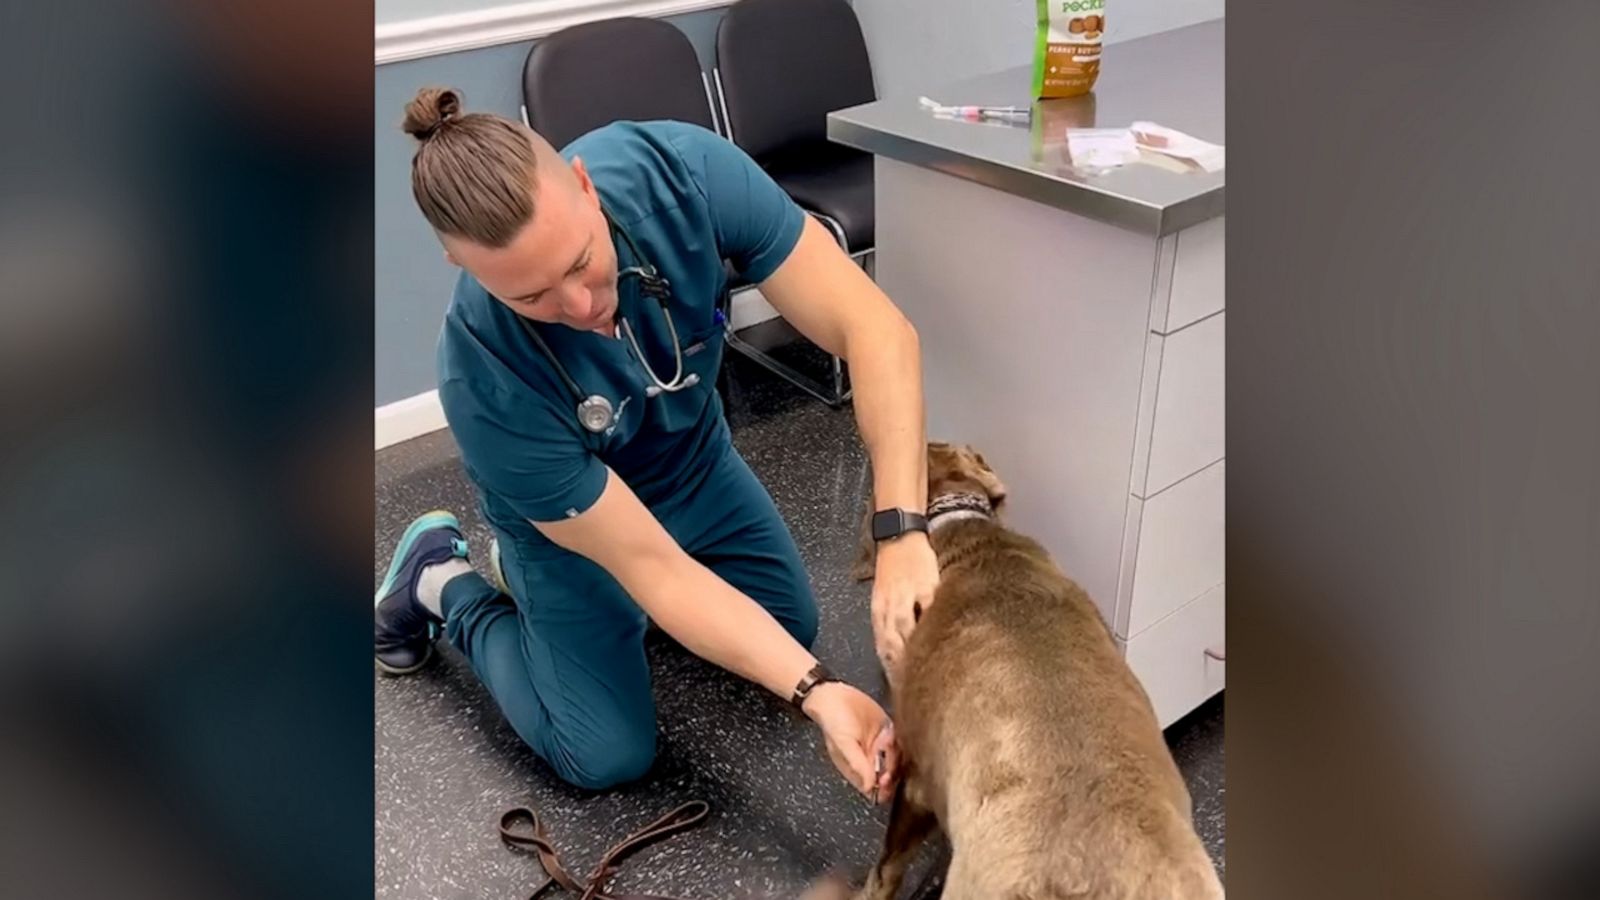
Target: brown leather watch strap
[
  {"x": 819, "y": 674},
  {"x": 537, "y": 839}
]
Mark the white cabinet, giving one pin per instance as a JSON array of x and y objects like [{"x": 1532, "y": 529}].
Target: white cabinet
[
  {"x": 1184, "y": 410},
  {"x": 1085, "y": 361},
  {"x": 1169, "y": 609},
  {"x": 1189, "y": 277},
  {"x": 1178, "y": 549},
  {"x": 1182, "y": 659}
]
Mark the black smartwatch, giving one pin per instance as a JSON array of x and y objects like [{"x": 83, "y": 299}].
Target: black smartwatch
[
  {"x": 818, "y": 675},
  {"x": 891, "y": 523}
]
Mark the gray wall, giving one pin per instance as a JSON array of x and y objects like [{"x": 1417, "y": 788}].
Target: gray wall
[
  {"x": 387, "y": 11},
  {"x": 411, "y": 277},
  {"x": 913, "y": 42}
]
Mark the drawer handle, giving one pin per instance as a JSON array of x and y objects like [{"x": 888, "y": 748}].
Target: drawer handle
[{"x": 1217, "y": 653}]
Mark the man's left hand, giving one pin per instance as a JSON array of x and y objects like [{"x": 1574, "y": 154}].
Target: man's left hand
[{"x": 903, "y": 588}]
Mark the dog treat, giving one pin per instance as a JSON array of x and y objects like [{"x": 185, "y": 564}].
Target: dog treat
[{"x": 1066, "y": 55}]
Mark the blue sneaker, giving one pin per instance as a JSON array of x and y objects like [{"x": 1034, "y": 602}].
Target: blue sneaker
[{"x": 403, "y": 629}]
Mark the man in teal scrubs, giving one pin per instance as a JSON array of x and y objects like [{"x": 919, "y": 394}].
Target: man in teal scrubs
[{"x": 577, "y": 370}]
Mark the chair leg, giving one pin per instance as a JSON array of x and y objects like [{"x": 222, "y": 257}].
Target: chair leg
[
  {"x": 835, "y": 397},
  {"x": 722, "y": 103},
  {"x": 834, "y": 394}
]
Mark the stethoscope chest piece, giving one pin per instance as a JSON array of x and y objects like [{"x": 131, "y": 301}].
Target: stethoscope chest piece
[{"x": 595, "y": 413}]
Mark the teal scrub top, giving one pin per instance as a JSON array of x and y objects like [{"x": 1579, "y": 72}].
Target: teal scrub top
[{"x": 688, "y": 199}]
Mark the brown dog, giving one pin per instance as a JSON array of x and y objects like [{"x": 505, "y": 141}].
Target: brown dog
[{"x": 1021, "y": 730}]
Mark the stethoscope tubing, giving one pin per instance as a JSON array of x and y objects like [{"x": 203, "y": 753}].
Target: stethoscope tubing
[{"x": 595, "y": 412}]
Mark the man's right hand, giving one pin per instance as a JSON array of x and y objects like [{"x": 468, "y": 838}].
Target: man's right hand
[
  {"x": 708, "y": 616},
  {"x": 854, "y": 727},
  {"x": 719, "y": 624}
]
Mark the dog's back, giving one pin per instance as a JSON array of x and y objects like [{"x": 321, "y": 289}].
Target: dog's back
[{"x": 1031, "y": 740}]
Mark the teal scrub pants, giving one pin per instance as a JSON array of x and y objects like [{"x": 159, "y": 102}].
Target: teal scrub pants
[{"x": 564, "y": 658}]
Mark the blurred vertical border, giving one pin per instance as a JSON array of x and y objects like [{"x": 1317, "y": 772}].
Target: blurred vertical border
[
  {"x": 185, "y": 489},
  {"x": 1413, "y": 525}
]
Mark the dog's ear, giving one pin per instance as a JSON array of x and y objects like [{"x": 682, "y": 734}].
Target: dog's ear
[
  {"x": 867, "y": 556},
  {"x": 992, "y": 485}
]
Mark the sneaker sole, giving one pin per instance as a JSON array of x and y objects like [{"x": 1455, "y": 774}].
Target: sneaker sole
[
  {"x": 435, "y": 519},
  {"x": 386, "y": 669}
]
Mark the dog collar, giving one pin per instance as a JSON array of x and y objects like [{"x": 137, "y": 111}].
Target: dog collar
[{"x": 955, "y": 507}]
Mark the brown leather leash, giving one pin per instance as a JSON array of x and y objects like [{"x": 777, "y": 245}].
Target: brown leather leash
[{"x": 537, "y": 840}]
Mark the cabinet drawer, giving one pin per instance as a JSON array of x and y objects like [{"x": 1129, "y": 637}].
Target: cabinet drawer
[
  {"x": 1182, "y": 425},
  {"x": 1177, "y": 548},
  {"x": 1191, "y": 277},
  {"x": 1181, "y": 660}
]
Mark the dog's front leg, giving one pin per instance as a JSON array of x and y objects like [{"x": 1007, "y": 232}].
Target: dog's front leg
[{"x": 909, "y": 824}]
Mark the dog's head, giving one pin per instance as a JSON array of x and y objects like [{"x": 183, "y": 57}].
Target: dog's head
[
  {"x": 962, "y": 470},
  {"x": 952, "y": 469}
]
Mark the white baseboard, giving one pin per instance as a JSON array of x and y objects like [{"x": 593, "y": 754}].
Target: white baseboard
[
  {"x": 405, "y": 419},
  {"x": 454, "y": 32},
  {"x": 416, "y": 416}
]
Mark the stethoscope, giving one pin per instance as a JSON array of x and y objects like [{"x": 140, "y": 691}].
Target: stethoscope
[{"x": 595, "y": 412}]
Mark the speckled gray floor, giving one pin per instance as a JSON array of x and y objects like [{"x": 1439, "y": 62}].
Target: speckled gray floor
[{"x": 447, "y": 765}]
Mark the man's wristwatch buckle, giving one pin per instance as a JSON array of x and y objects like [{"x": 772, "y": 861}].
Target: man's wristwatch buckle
[{"x": 818, "y": 675}]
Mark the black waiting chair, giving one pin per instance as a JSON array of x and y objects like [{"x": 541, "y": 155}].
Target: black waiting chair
[
  {"x": 782, "y": 66},
  {"x": 634, "y": 69},
  {"x": 625, "y": 69}
]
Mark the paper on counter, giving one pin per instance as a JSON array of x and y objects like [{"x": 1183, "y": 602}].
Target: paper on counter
[
  {"x": 1171, "y": 142},
  {"x": 1166, "y": 163},
  {"x": 1144, "y": 142},
  {"x": 1101, "y": 148}
]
